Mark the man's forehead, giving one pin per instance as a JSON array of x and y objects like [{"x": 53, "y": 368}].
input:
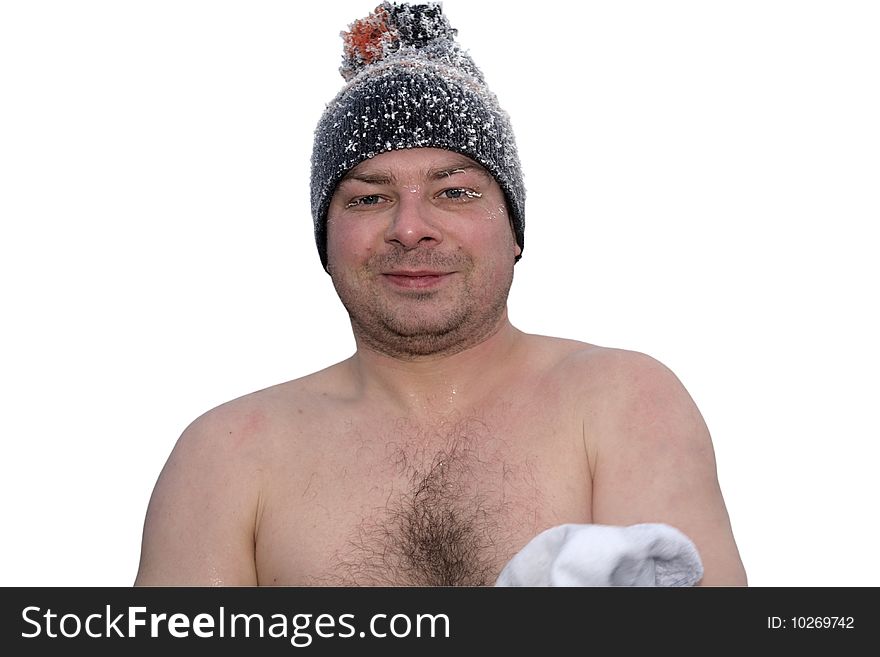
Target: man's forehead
[{"x": 428, "y": 162}]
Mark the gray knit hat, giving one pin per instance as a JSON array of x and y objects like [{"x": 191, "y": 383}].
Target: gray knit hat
[{"x": 410, "y": 85}]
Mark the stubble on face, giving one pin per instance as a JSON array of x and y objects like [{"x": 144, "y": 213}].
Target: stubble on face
[{"x": 417, "y": 325}]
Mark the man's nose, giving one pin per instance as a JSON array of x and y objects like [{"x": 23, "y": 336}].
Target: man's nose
[{"x": 413, "y": 222}]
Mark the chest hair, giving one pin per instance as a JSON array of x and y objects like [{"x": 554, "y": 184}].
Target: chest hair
[{"x": 459, "y": 498}]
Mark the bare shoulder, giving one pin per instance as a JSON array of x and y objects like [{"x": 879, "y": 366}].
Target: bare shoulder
[
  {"x": 619, "y": 386},
  {"x": 625, "y": 399},
  {"x": 246, "y": 428},
  {"x": 613, "y": 386},
  {"x": 234, "y": 442},
  {"x": 205, "y": 507},
  {"x": 605, "y": 373},
  {"x": 650, "y": 451},
  {"x": 607, "y": 370},
  {"x": 632, "y": 397}
]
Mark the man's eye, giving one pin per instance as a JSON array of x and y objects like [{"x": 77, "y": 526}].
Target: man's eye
[
  {"x": 372, "y": 199},
  {"x": 460, "y": 193}
]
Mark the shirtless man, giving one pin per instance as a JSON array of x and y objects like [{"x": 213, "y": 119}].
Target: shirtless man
[{"x": 450, "y": 438}]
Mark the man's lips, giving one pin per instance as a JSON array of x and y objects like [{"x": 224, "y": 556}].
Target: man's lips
[{"x": 416, "y": 278}]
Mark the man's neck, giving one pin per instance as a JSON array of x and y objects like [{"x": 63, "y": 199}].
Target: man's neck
[{"x": 442, "y": 384}]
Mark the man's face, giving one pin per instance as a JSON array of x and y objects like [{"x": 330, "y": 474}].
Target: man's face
[{"x": 421, "y": 252}]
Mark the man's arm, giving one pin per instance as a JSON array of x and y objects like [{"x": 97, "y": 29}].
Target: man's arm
[
  {"x": 200, "y": 524},
  {"x": 653, "y": 461}
]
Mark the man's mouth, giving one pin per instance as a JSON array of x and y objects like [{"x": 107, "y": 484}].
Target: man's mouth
[{"x": 416, "y": 279}]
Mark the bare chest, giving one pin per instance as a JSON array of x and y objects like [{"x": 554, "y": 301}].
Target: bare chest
[{"x": 443, "y": 504}]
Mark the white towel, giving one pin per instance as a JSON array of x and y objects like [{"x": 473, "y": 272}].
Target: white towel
[{"x": 648, "y": 554}]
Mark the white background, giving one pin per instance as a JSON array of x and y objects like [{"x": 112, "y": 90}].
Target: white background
[{"x": 703, "y": 187}]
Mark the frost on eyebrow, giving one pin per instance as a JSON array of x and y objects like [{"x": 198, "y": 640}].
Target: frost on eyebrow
[{"x": 458, "y": 168}]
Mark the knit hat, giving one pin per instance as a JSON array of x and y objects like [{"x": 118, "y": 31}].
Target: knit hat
[{"x": 410, "y": 85}]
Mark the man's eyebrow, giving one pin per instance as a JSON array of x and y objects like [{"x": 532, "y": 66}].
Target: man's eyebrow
[
  {"x": 370, "y": 177},
  {"x": 446, "y": 171}
]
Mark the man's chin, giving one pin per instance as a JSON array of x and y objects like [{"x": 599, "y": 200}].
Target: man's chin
[
  {"x": 412, "y": 339},
  {"x": 421, "y": 331}
]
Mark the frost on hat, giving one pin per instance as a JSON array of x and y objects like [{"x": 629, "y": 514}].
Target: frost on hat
[{"x": 410, "y": 85}]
